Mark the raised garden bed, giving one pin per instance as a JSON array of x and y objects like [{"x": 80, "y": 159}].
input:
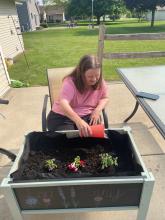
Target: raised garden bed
[
  {"x": 45, "y": 149},
  {"x": 93, "y": 186}
]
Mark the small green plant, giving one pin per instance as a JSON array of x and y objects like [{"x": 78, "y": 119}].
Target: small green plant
[
  {"x": 77, "y": 161},
  {"x": 50, "y": 164},
  {"x": 107, "y": 160},
  {"x": 18, "y": 84}
]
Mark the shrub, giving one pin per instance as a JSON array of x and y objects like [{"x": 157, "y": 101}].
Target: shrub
[
  {"x": 58, "y": 21},
  {"x": 18, "y": 84},
  {"x": 44, "y": 25},
  {"x": 39, "y": 28}
]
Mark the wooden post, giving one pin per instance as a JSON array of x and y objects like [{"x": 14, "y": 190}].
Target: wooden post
[{"x": 101, "y": 44}]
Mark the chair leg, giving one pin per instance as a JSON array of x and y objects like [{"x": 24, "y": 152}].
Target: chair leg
[
  {"x": 105, "y": 118},
  {"x": 132, "y": 114},
  {"x": 44, "y": 113}
]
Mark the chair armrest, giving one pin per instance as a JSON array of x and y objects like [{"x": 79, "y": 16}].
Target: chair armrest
[
  {"x": 44, "y": 108},
  {"x": 105, "y": 118},
  {"x": 9, "y": 154}
]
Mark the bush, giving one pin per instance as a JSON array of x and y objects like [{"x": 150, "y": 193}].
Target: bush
[
  {"x": 58, "y": 21},
  {"x": 128, "y": 14},
  {"x": 44, "y": 25},
  {"x": 114, "y": 17},
  {"x": 18, "y": 84},
  {"x": 39, "y": 28}
]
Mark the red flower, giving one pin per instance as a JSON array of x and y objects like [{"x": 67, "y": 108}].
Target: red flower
[
  {"x": 82, "y": 163},
  {"x": 72, "y": 167}
]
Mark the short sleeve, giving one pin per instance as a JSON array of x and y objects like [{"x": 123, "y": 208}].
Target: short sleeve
[
  {"x": 68, "y": 89},
  {"x": 104, "y": 89}
]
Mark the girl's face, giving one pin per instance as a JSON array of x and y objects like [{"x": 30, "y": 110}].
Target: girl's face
[{"x": 91, "y": 77}]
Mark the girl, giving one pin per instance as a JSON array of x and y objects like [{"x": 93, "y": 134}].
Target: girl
[{"x": 82, "y": 98}]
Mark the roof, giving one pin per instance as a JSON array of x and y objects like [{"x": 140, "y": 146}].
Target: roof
[{"x": 53, "y": 9}]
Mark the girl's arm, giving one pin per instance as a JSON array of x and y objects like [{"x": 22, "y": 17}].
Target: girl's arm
[
  {"x": 95, "y": 116},
  {"x": 83, "y": 127}
]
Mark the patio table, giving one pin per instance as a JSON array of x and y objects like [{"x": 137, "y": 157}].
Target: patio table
[{"x": 149, "y": 79}]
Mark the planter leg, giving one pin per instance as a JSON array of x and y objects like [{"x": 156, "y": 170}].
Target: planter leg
[
  {"x": 145, "y": 198},
  {"x": 11, "y": 201}
]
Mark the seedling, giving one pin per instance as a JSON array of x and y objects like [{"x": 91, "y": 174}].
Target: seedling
[
  {"x": 76, "y": 164},
  {"x": 107, "y": 160},
  {"x": 50, "y": 164}
]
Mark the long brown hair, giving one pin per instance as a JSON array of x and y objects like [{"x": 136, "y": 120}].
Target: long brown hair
[{"x": 86, "y": 62}]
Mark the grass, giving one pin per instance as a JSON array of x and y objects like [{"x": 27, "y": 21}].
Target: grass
[{"x": 62, "y": 47}]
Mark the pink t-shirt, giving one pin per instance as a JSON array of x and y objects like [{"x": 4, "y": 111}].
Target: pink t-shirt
[{"x": 82, "y": 104}]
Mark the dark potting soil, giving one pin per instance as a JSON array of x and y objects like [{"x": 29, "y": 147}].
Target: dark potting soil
[{"x": 39, "y": 148}]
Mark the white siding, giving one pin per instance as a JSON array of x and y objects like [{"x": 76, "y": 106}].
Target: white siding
[
  {"x": 4, "y": 77},
  {"x": 33, "y": 14},
  {"x": 9, "y": 29}
]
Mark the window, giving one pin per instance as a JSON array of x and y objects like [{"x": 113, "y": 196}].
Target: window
[{"x": 50, "y": 18}]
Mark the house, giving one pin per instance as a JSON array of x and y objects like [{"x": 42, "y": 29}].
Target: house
[
  {"x": 54, "y": 14},
  {"x": 10, "y": 37},
  {"x": 11, "y": 41},
  {"x": 4, "y": 76},
  {"x": 159, "y": 14},
  {"x": 29, "y": 15}
]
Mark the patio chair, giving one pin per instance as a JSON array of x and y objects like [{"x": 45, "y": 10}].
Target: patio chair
[
  {"x": 54, "y": 77},
  {"x": 103, "y": 36}
]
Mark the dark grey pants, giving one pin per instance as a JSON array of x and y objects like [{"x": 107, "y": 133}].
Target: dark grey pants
[{"x": 57, "y": 122}]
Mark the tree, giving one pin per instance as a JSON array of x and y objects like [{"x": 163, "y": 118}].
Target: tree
[
  {"x": 151, "y": 5},
  {"x": 145, "y": 5},
  {"x": 101, "y": 8},
  {"x": 74, "y": 10},
  {"x": 84, "y": 7},
  {"x": 117, "y": 9},
  {"x": 136, "y": 7}
]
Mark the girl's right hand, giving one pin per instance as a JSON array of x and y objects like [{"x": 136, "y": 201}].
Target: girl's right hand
[{"x": 84, "y": 128}]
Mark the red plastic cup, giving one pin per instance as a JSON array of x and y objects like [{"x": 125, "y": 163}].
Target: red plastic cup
[{"x": 97, "y": 130}]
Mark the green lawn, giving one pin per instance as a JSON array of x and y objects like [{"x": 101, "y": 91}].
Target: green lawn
[{"x": 57, "y": 47}]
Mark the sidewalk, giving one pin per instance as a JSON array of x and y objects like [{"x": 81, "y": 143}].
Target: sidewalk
[{"x": 23, "y": 115}]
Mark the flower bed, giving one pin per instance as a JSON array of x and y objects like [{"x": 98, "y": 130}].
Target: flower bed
[{"x": 60, "y": 157}]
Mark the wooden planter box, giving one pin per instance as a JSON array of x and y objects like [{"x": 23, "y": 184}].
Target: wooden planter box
[{"x": 63, "y": 195}]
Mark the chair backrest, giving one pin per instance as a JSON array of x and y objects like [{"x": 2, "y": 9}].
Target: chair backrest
[
  {"x": 118, "y": 37},
  {"x": 55, "y": 77}
]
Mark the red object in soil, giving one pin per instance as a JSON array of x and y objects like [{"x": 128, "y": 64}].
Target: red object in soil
[
  {"x": 97, "y": 130},
  {"x": 72, "y": 167},
  {"x": 82, "y": 163}
]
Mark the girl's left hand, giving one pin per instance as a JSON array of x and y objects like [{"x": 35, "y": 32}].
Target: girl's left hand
[{"x": 95, "y": 118}]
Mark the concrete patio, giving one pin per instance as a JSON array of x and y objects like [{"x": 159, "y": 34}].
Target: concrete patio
[{"x": 23, "y": 115}]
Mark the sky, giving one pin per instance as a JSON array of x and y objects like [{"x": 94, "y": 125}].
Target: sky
[{"x": 40, "y": 1}]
